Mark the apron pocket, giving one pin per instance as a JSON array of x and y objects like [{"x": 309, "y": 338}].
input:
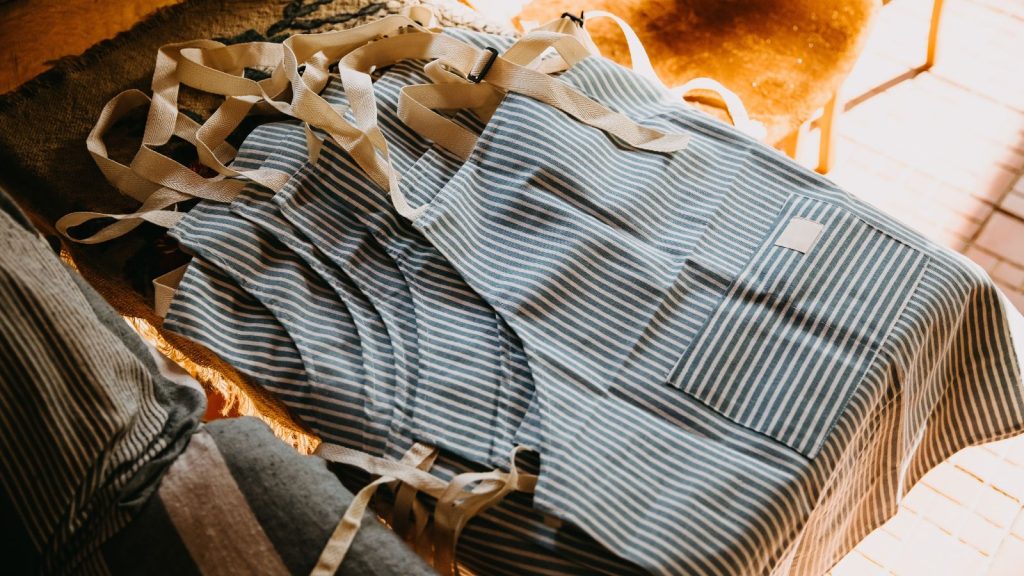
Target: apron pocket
[{"x": 797, "y": 330}]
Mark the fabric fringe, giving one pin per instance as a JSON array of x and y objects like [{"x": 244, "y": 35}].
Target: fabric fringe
[{"x": 235, "y": 397}]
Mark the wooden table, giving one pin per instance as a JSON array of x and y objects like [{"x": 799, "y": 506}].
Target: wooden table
[{"x": 35, "y": 32}]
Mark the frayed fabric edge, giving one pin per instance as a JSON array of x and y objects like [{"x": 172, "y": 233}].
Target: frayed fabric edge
[{"x": 236, "y": 397}]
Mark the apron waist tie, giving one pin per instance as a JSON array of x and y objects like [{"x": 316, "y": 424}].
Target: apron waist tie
[{"x": 458, "y": 501}]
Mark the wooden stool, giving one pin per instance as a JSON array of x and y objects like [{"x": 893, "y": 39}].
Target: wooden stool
[
  {"x": 786, "y": 59},
  {"x": 836, "y": 105}
]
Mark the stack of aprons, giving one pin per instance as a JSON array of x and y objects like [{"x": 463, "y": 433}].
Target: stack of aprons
[
  {"x": 323, "y": 295},
  {"x": 726, "y": 364}
]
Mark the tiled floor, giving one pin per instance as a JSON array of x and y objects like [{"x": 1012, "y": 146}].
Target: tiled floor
[
  {"x": 964, "y": 518},
  {"x": 944, "y": 151}
]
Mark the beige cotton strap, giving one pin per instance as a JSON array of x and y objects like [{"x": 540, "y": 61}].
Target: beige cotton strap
[
  {"x": 164, "y": 288},
  {"x": 501, "y": 73},
  {"x": 458, "y": 501},
  {"x": 422, "y": 15},
  {"x": 221, "y": 71},
  {"x": 439, "y": 73},
  {"x": 457, "y": 506},
  {"x": 570, "y": 26},
  {"x": 639, "y": 61},
  {"x": 163, "y": 112},
  {"x": 341, "y": 539},
  {"x": 126, "y": 180},
  {"x": 535, "y": 43},
  {"x": 119, "y": 175},
  {"x": 416, "y": 105},
  {"x": 167, "y": 78},
  {"x": 733, "y": 104},
  {"x": 551, "y": 91},
  {"x": 153, "y": 210},
  {"x": 407, "y": 507},
  {"x": 212, "y": 67},
  {"x": 307, "y": 105},
  {"x": 158, "y": 180},
  {"x": 215, "y": 68},
  {"x": 574, "y": 26},
  {"x": 155, "y": 198},
  {"x": 224, "y": 535}
]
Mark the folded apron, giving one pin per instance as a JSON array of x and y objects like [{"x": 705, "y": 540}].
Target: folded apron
[
  {"x": 260, "y": 258},
  {"x": 710, "y": 330},
  {"x": 727, "y": 365}
]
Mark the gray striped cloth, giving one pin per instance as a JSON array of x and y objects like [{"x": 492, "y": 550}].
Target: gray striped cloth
[
  {"x": 728, "y": 365},
  {"x": 87, "y": 424},
  {"x": 104, "y": 468}
]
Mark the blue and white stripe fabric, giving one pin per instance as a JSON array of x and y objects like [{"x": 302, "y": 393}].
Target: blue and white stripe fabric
[
  {"x": 685, "y": 362},
  {"x": 247, "y": 256},
  {"x": 401, "y": 308},
  {"x": 705, "y": 398},
  {"x": 470, "y": 394}
]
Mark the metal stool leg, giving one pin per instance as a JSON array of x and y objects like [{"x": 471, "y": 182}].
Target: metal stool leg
[
  {"x": 827, "y": 126},
  {"x": 933, "y": 34},
  {"x": 790, "y": 143}
]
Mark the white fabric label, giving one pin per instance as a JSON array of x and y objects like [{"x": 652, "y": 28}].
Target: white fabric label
[{"x": 800, "y": 235}]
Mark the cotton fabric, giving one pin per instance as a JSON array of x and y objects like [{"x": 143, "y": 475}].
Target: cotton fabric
[
  {"x": 244, "y": 260},
  {"x": 630, "y": 275},
  {"x": 704, "y": 401},
  {"x": 88, "y": 425}
]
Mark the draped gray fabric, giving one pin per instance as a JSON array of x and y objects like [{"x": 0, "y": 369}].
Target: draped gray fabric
[
  {"x": 249, "y": 495},
  {"x": 87, "y": 424}
]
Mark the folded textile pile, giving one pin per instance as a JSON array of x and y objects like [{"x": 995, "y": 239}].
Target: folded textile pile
[
  {"x": 105, "y": 467},
  {"x": 725, "y": 364},
  {"x": 49, "y": 171},
  {"x": 240, "y": 501},
  {"x": 87, "y": 423}
]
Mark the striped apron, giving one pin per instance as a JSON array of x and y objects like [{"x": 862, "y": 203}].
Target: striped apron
[
  {"x": 256, "y": 261},
  {"x": 731, "y": 366},
  {"x": 469, "y": 357},
  {"x": 473, "y": 386},
  {"x": 718, "y": 337}
]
